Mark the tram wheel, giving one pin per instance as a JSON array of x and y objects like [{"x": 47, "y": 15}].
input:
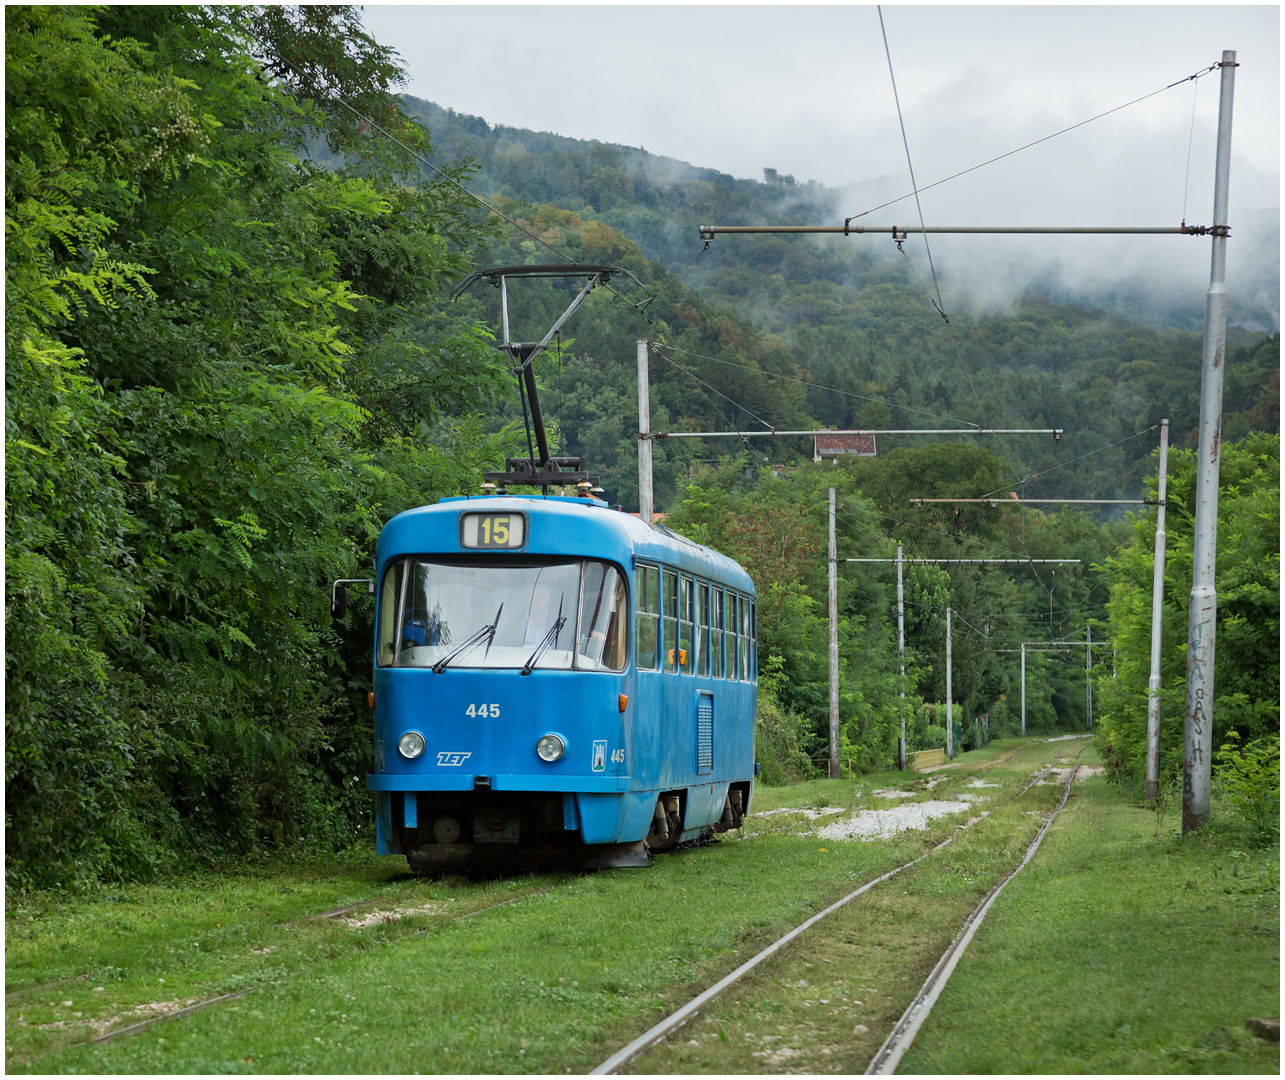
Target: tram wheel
[{"x": 666, "y": 824}]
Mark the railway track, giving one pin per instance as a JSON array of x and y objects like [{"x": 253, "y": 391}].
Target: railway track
[
  {"x": 690, "y": 1010},
  {"x": 903, "y": 1034},
  {"x": 900, "y": 1038}
]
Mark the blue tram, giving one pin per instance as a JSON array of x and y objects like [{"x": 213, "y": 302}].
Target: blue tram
[{"x": 556, "y": 682}]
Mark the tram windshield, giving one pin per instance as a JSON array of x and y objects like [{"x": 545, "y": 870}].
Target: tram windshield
[{"x": 565, "y": 614}]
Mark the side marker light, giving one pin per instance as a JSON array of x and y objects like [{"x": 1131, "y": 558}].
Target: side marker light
[
  {"x": 624, "y": 700},
  {"x": 370, "y": 698}
]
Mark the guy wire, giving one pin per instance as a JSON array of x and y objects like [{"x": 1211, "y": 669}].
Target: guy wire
[
  {"x": 964, "y": 172},
  {"x": 1186, "y": 180}
]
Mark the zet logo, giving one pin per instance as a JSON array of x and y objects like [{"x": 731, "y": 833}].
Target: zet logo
[
  {"x": 599, "y": 755},
  {"x": 453, "y": 757}
]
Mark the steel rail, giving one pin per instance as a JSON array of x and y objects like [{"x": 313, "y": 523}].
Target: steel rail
[
  {"x": 884, "y": 1063},
  {"x": 677, "y": 1019},
  {"x": 681, "y": 1016}
]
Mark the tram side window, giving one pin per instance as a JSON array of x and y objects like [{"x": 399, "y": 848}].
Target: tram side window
[
  {"x": 686, "y": 633},
  {"x": 754, "y": 639},
  {"x": 386, "y": 637},
  {"x": 716, "y": 633},
  {"x": 647, "y": 620},
  {"x": 702, "y": 628},
  {"x": 729, "y": 639},
  {"x": 745, "y": 639},
  {"x": 669, "y": 617},
  {"x": 604, "y": 613}
]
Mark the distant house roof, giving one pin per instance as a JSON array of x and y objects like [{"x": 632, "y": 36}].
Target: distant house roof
[
  {"x": 656, "y": 515},
  {"x": 834, "y": 445}
]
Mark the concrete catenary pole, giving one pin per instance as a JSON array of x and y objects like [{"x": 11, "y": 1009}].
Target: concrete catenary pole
[
  {"x": 950, "y": 704},
  {"x": 1023, "y": 689},
  {"x": 834, "y": 649},
  {"x": 1203, "y": 605},
  {"x": 1088, "y": 679},
  {"x": 901, "y": 657},
  {"x": 1157, "y": 622},
  {"x": 644, "y": 436}
]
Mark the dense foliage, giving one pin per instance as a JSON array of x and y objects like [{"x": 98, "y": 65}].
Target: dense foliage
[
  {"x": 1247, "y": 649},
  {"x": 199, "y": 324}
]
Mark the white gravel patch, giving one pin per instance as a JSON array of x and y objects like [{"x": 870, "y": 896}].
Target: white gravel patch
[
  {"x": 891, "y": 793},
  {"x": 982, "y": 783},
  {"x": 885, "y": 824},
  {"x": 1063, "y": 738},
  {"x": 811, "y": 815}
]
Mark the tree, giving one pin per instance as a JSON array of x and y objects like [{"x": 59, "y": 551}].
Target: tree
[
  {"x": 213, "y": 401},
  {"x": 1246, "y": 659}
]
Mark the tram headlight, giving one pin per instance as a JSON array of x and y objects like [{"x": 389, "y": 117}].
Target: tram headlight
[
  {"x": 411, "y": 745},
  {"x": 550, "y": 747}
]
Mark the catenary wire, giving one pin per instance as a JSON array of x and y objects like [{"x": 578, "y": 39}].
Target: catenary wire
[
  {"x": 964, "y": 172},
  {"x": 909, "y": 164},
  {"x": 807, "y": 383},
  {"x": 713, "y": 404},
  {"x": 736, "y": 404},
  {"x": 1072, "y": 461},
  {"x": 941, "y": 310},
  {"x": 1066, "y": 613}
]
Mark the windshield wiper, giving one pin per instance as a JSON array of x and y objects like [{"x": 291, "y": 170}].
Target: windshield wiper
[
  {"x": 487, "y": 632},
  {"x": 550, "y": 638}
]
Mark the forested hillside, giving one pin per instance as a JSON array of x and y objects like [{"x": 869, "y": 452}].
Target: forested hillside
[
  {"x": 848, "y": 319},
  {"x": 231, "y": 358}
]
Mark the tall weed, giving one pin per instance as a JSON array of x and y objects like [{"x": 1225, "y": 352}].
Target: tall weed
[{"x": 1249, "y": 780}]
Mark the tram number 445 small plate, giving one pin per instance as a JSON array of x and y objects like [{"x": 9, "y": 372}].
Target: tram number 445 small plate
[{"x": 484, "y": 709}]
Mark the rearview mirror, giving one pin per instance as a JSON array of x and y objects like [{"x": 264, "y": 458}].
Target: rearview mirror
[{"x": 339, "y": 602}]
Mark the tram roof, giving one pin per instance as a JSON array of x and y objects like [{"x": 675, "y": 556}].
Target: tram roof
[{"x": 579, "y": 526}]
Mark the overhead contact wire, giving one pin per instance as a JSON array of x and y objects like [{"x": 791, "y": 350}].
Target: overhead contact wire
[
  {"x": 1072, "y": 461},
  {"x": 941, "y": 310},
  {"x": 964, "y": 172},
  {"x": 806, "y": 382},
  {"x": 909, "y": 164}
]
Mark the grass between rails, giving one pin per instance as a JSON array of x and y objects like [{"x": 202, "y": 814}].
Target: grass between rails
[
  {"x": 825, "y": 1004},
  {"x": 556, "y": 982},
  {"x": 1117, "y": 951}
]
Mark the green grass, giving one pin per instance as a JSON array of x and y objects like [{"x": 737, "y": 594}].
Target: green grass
[
  {"x": 1117, "y": 951},
  {"x": 554, "y": 982},
  {"x": 825, "y": 1005}
]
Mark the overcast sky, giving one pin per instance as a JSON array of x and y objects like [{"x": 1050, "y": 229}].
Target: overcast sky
[{"x": 806, "y": 90}]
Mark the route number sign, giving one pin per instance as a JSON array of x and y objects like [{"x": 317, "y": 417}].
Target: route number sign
[{"x": 493, "y": 531}]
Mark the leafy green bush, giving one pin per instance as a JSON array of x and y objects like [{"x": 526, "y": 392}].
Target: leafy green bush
[
  {"x": 1250, "y": 782},
  {"x": 780, "y": 732},
  {"x": 933, "y": 738}
]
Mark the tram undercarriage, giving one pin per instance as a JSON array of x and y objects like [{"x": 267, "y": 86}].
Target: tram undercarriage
[{"x": 507, "y": 831}]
